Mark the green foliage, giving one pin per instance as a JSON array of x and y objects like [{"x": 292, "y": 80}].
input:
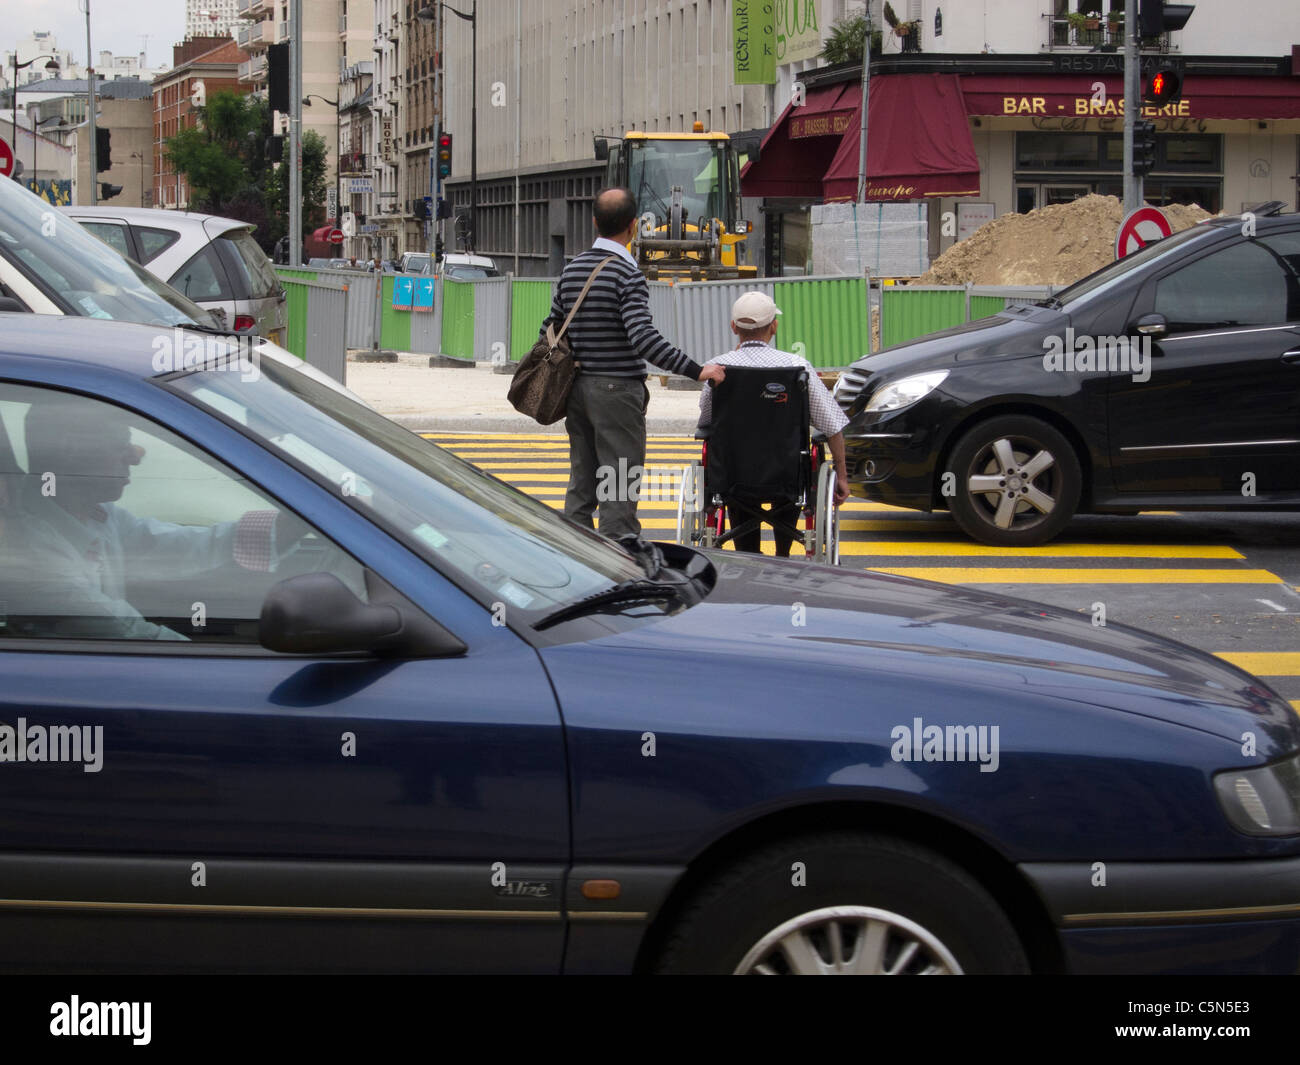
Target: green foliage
[
  {"x": 224, "y": 162},
  {"x": 844, "y": 44}
]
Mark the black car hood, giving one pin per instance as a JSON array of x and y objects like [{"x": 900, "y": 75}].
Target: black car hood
[{"x": 880, "y": 623}]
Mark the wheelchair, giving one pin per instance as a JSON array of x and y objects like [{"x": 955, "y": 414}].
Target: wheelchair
[{"x": 760, "y": 447}]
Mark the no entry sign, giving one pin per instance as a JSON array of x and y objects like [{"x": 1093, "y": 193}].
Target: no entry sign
[
  {"x": 6, "y": 158},
  {"x": 1140, "y": 227},
  {"x": 334, "y": 236}
]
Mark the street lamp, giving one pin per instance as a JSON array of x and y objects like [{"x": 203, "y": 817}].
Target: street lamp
[
  {"x": 338, "y": 123},
  {"x": 52, "y": 65},
  {"x": 36, "y": 137},
  {"x": 140, "y": 156},
  {"x": 428, "y": 13}
]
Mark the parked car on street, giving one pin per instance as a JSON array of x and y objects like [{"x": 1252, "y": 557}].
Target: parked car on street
[
  {"x": 332, "y": 699},
  {"x": 1168, "y": 380},
  {"x": 51, "y": 265},
  {"x": 214, "y": 261}
]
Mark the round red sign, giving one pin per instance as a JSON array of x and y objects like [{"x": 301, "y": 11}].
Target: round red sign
[
  {"x": 1139, "y": 228},
  {"x": 334, "y": 236},
  {"x": 6, "y": 158}
]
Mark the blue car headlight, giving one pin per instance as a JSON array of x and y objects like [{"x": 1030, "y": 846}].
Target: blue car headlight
[
  {"x": 1264, "y": 801},
  {"x": 905, "y": 392}
]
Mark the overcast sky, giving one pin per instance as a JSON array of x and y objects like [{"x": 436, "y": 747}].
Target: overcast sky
[{"x": 115, "y": 25}]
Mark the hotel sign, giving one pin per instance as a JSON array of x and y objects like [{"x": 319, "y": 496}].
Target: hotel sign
[{"x": 822, "y": 124}]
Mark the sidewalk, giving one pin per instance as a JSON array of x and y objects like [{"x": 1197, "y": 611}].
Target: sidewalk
[{"x": 474, "y": 401}]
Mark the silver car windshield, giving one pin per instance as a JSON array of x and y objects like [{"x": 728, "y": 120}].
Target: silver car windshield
[
  {"x": 80, "y": 273},
  {"x": 494, "y": 541}
]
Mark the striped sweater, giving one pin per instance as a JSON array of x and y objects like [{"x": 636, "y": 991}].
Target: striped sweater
[{"x": 612, "y": 333}]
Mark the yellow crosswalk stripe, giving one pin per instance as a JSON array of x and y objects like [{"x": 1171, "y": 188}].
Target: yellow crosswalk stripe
[
  {"x": 1021, "y": 575},
  {"x": 1264, "y": 663},
  {"x": 1053, "y": 550},
  {"x": 1295, "y": 705}
]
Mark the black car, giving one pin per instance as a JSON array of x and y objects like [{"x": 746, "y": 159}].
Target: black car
[{"x": 1169, "y": 379}]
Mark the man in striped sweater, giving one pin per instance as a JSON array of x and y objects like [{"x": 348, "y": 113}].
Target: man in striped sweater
[{"x": 612, "y": 337}]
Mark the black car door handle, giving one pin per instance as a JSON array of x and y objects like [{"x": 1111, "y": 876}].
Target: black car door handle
[{"x": 1292, "y": 356}]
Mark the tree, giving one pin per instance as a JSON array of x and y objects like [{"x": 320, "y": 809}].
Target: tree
[
  {"x": 844, "y": 45},
  {"x": 222, "y": 157},
  {"x": 276, "y": 197}
]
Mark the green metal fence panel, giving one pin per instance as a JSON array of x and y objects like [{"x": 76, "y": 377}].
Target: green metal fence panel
[
  {"x": 296, "y": 310},
  {"x": 458, "y": 318},
  {"x": 530, "y": 303},
  {"x": 395, "y": 326},
  {"x": 983, "y": 306},
  {"x": 828, "y": 316},
  {"x": 908, "y": 313}
]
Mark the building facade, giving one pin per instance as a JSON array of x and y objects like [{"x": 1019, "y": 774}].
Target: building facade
[
  {"x": 211, "y": 18},
  {"x": 214, "y": 62}
]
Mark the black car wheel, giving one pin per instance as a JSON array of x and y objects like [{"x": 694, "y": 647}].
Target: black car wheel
[
  {"x": 1017, "y": 482},
  {"x": 843, "y": 904}
]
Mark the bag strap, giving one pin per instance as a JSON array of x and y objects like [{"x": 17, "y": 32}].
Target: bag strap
[{"x": 553, "y": 338}]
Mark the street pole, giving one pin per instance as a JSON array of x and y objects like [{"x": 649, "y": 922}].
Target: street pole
[
  {"x": 90, "y": 93},
  {"x": 473, "y": 131},
  {"x": 1132, "y": 90},
  {"x": 295, "y": 134},
  {"x": 866, "y": 97},
  {"x": 519, "y": 110}
]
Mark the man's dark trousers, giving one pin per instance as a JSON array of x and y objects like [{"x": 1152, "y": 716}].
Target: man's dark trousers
[{"x": 606, "y": 423}]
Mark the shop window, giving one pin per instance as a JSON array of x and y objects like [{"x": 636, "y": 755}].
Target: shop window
[{"x": 1056, "y": 151}]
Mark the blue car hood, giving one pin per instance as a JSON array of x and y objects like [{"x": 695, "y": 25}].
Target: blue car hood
[{"x": 806, "y": 626}]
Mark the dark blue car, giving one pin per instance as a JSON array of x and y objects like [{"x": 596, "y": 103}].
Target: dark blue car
[{"x": 288, "y": 688}]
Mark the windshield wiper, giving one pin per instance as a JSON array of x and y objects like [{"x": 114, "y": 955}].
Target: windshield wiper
[{"x": 628, "y": 591}]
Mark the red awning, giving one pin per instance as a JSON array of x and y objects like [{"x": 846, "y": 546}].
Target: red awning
[
  {"x": 1074, "y": 96},
  {"x": 801, "y": 144},
  {"x": 918, "y": 143}
]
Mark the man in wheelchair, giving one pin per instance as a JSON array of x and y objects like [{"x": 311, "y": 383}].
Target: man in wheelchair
[{"x": 759, "y": 449}]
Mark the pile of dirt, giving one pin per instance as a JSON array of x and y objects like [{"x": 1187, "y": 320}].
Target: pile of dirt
[{"x": 1050, "y": 246}]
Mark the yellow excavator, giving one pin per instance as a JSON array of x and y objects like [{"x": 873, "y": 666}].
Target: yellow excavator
[{"x": 687, "y": 186}]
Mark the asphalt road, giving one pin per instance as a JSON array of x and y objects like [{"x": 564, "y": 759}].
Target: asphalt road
[{"x": 1227, "y": 583}]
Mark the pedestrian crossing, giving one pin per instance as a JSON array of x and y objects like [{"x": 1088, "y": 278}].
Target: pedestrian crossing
[{"x": 928, "y": 546}]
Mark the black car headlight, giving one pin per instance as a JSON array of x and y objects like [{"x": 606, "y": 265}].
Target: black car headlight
[
  {"x": 905, "y": 392},
  {"x": 1264, "y": 801}
]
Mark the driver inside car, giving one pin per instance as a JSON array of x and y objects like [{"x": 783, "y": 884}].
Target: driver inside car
[{"x": 69, "y": 549}]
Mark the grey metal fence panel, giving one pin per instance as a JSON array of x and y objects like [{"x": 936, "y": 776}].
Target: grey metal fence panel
[
  {"x": 361, "y": 308},
  {"x": 327, "y": 310},
  {"x": 491, "y": 317},
  {"x": 663, "y": 309},
  {"x": 426, "y": 328},
  {"x": 703, "y": 313}
]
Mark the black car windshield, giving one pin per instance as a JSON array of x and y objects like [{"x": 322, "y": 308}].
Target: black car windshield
[
  {"x": 494, "y": 541},
  {"x": 1112, "y": 274},
  {"x": 81, "y": 274}
]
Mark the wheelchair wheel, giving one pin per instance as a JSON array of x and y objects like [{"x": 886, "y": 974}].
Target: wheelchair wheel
[
  {"x": 690, "y": 505},
  {"x": 826, "y": 522}
]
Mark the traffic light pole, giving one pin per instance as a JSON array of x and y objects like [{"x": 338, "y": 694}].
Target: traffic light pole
[
  {"x": 1132, "y": 102},
  {"x": 90, "y": 112},
  {"x": 295, "y": 133}
]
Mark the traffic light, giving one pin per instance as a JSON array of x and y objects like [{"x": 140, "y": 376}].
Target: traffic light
[
  {"x": 277, "y": 77},
  {"x": 1164, "y": 87},
  {"x": 1144, "y": 147},
  {"x": 443, "y": 209},
  {"x": 444, "y": 155},
  {"x": 107, "y": 191},
  {"x": 103, "y": 158},
  {"x": 274, "y": 149},
  {"x": 1156, "y": 17}
]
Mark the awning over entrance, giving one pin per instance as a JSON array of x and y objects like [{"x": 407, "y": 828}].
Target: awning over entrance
[
  {"x": 1075, "y": 96},
  {"x": 918, "y": 143}
]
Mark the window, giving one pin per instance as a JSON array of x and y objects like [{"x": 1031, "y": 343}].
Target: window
[
  {"x": 116, "y": 528},
  {"x": 154, "y": 241},
  {"x": 1253, "y": 282},
  {"x": 111, "y": 233},
  {"x": 203, "y": 277},
  {"x": 260, "y": 280}
]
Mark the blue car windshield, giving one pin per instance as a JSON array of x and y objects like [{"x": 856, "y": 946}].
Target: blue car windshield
[{"x": 494, "y": 541}]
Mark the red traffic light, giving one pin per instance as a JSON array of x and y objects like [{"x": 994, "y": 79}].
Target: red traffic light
[
  {"x": 1165, "y": 87},
  {"x": 444, "y": 140}
]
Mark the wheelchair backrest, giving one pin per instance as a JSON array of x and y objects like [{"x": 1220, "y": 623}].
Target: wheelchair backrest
[{"x": 759, "y": 436}]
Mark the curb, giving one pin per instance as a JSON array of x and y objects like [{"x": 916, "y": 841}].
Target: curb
[{"x": 505, "y": 423}]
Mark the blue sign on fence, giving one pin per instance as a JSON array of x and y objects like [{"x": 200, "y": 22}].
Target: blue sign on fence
[
  {"x": 423, "y": 294},
  {"x": 402, "y": 293}
]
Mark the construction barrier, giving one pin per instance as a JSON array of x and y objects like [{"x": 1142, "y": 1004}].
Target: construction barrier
[
  {"x": 317, "y": 314},
  {"x": 825, "y": 319}
]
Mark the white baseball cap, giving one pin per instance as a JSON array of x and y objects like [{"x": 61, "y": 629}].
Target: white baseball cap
[{"x": 754, "y": 310}]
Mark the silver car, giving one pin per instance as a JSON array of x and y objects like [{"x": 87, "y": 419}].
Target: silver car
[{"x": 214, "y": 261}]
